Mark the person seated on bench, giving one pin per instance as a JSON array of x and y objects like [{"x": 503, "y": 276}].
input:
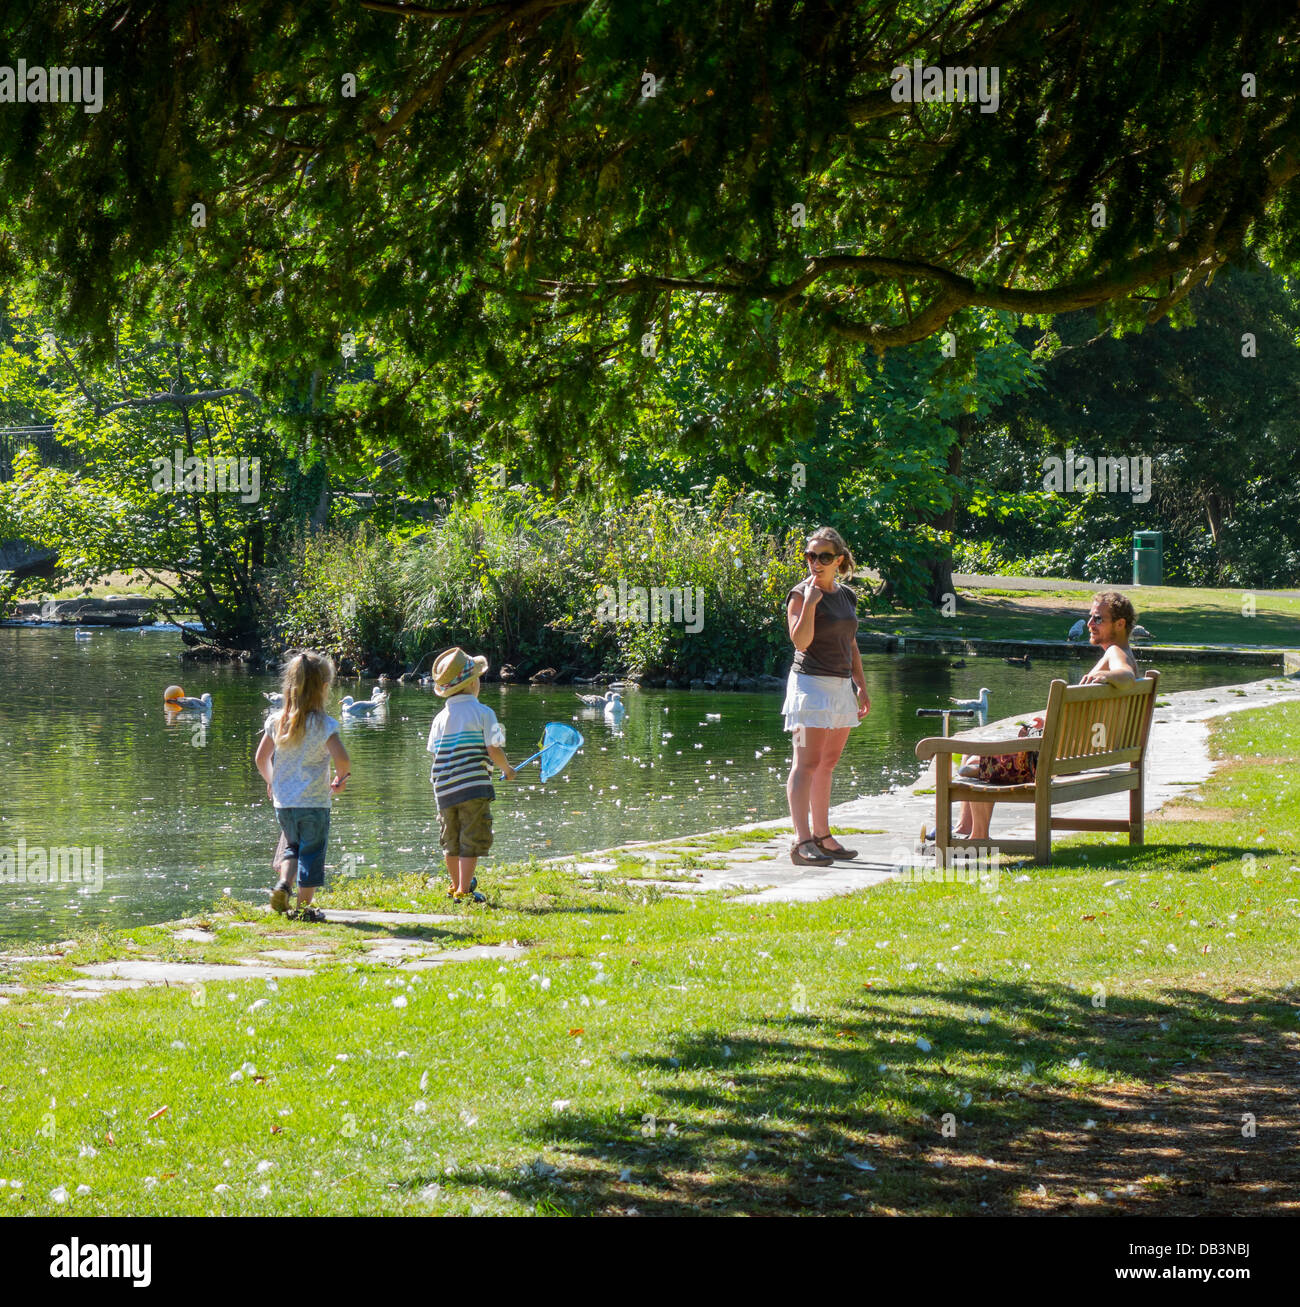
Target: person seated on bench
[{"x": 1110, "y": 622}]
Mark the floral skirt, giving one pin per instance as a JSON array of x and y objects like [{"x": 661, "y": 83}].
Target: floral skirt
[{"x": 820, "y": 702}]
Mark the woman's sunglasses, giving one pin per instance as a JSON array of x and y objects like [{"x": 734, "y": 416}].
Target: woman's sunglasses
[{"x": 823, "y": 559}]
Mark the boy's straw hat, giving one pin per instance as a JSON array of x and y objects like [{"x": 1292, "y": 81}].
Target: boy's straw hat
[{"x": 454, "y": 671}]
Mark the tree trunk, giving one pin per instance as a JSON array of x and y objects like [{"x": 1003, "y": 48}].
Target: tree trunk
[{"x": 940, "y": 566}]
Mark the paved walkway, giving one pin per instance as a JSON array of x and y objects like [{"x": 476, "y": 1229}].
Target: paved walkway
[{"x": 1177, "y": 757}]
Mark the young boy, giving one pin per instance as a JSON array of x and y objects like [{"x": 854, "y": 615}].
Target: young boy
[{"x": 462, "y": 739}]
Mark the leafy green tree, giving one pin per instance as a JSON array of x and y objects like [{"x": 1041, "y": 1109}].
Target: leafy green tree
[
  {"x": 510, "y": 201},
  {"x": 171, "y": 480},
  {"x": 1215, "y": 406}
]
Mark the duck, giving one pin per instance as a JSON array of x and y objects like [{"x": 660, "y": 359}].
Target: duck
[
  {"x": 597, "y": 700},
  {"x": 181, "y": 702},
  {"x": 364, "y": 707},
  {"x": 544, "y": 677},
  {"x": 1079, "y": 630},
  {"x": 980, "y": 705},
  {"x": 959, "y": 665},
  {"x": 1022, "y": 661}
]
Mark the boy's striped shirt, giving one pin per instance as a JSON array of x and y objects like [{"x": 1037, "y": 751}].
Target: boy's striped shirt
[{"x": 458, "y": 740}]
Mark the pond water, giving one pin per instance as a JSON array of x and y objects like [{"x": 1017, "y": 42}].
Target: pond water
[{"x": 90, "y": 760}]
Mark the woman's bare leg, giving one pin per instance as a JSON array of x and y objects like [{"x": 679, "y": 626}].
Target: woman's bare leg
[
  {"x": 819, "y": 797},
  {"x": 980, "y": 816},
  {"x": 809, "y": 741}
]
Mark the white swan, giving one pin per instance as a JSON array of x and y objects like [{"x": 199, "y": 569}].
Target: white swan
[
  {"x": 275, "y": 700},
  {"x": 614, "y": 709},
  {"x": 1079, "y": 629},
  {"x": 83, "y": 635}
]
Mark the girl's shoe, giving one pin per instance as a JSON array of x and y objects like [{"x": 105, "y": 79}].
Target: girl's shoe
[
  {"x": 808, "y": 854},
  {"x": 820, "y": 842},
  {"x": 280, "y": 896},
  {"x": 472, "y": 894}
]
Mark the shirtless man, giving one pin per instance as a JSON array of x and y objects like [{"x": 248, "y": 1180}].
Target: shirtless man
[{"x": 1110, "y": 620}]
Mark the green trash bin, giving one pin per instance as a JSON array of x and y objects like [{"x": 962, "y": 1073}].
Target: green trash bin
[{"x": 1148, "y": 557}]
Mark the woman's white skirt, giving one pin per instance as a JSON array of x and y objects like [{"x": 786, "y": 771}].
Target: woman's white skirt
[{"x": 820, "y": 702}]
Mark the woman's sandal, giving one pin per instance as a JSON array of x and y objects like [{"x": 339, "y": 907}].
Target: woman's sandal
[
  {"x": 841, "y": 852},
  {"x": 808, "y": 854}
]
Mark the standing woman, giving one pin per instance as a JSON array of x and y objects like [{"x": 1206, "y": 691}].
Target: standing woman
[{"x": 826, "y": 694}]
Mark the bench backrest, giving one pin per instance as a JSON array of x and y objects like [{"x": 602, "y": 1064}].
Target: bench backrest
[{"x": 1088, "y": 727}]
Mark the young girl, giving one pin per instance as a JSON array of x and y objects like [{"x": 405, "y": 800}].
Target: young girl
[{"x": 293, "y": 758}]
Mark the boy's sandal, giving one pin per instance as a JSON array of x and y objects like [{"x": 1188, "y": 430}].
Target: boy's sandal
[
  {"x": 308, "y": 914},
  {"x": 808, "y": 854},
  {"x": 841, "y": 852}
]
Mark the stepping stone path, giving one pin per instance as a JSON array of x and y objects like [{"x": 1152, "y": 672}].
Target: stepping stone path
[{"x": 404, "y": 952}]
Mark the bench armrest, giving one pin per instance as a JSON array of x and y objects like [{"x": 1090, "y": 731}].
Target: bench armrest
[{"x": 938, "y": 744}]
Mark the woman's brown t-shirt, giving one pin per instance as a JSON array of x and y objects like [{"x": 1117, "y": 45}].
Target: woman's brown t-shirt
[{"x": 835, "y": 632}]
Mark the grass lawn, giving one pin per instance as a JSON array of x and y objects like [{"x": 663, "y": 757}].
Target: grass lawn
[
  {"x": 116, "y": 583},
  {"x": 1172, "y": 615},
  {"x": 1115, "y": 1033}
]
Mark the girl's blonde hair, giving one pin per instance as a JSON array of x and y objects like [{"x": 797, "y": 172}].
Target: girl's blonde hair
[
  {"x": 839, "y": 545},
  {"x": 306, "y": 683}
]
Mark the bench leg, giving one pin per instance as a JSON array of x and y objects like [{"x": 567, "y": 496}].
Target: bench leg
[
  {"x": 1136, "y": 805},
  {"x": 1043, "y": 826},
  {"x": 942, "y": 811}
]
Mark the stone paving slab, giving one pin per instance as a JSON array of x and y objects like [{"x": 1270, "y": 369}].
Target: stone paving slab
[
  {"x": 195, "y": 936},
  {"x": 357, "y": 917},
  {"x": 184, "y": 973},
  {"x": 397, "y": 949}
]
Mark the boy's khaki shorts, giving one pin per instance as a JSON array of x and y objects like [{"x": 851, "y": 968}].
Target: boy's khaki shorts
[{"x": 465, "y": 829}]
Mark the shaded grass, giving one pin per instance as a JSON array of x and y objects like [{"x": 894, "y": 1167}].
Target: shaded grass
[{"x": 1057, "y": 1038}]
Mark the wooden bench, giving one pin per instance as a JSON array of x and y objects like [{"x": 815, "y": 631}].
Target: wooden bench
[{"x": 1094, "y": 741}]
